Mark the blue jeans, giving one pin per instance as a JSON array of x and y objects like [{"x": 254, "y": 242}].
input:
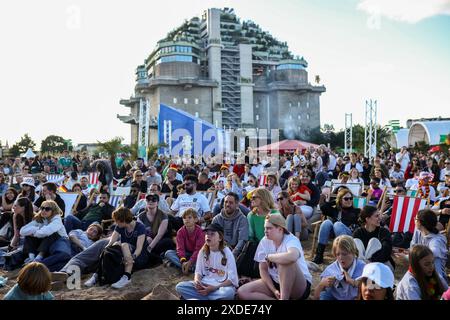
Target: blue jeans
[
  {"x": 172, "y": 256},
  {"x": 294, "y": 223},
  {"x": 72, "y": 222},
  {"x": 327, "y": 227},
  {"x": 187, "y": 290},
  {"x": 59, "y": 254},
  {"x": 326, "y": 295}
]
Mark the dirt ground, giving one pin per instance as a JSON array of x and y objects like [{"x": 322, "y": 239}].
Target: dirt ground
[{"x": 159, "y": 283}]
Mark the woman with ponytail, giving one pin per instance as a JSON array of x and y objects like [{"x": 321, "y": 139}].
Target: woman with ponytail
[
  {"x": 215, "y": 271},
  {"x": 421, "y": 281},
  {"x": 428, "y": 235}
]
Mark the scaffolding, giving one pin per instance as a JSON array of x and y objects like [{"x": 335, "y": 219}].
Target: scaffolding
[
  {"x": 348, "y": 142},
  {"x": 370, "y": 133},
  {"x": 231, "y": 90}
]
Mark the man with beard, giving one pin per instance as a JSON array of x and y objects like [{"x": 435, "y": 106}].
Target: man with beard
[
  {"x": 234, "y": 223},
  {"x": 190, "y": 199}
]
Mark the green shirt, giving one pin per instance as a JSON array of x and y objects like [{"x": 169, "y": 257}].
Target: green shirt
[
  {"x": 256, "y": 225},
  {"x": 17, "y": 294},
  {"x": 65, "y": 162},
  {"x": 94, "y": 214}
]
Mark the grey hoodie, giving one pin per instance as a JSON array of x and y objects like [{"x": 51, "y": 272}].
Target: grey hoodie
[
  {"x": 235, "y": 229},
  {"x": 438, "y": 245}
]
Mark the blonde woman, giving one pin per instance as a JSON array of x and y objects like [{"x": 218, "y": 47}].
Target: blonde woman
[
  {"x": 272, "y": 186},
  {"x": 44, "y": 230},
  {"x": 338, "y": 280},
  {"x": 262, "y": 204}
]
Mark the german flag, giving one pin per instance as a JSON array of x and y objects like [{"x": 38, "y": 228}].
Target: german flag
[{"x": 62, "y": 188}]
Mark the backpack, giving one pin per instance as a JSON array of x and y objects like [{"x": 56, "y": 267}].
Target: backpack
[{"x": 111, "y": 266}]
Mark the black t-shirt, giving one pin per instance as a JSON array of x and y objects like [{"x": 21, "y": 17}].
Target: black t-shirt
[
  {"x": 165, "y": 188},
  {"x": 381, "y": 234},
  {"x": 204, "y": 186},
  {"x": 59, "y": 201},
  {"x": 131, "y": 238}
]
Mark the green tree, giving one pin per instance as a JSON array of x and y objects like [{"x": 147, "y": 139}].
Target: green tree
[
  {"x": 22, "y": 146},
  {"x": 53, "y": 144}
]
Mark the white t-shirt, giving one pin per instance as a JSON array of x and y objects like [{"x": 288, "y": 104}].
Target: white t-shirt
[
  {"x": 213, "y": 272},
  {"x": 403, "y": 159},
  {"x": 412, "y": 184},
  {"x": 357, "y": 165},
  {"x": 196, "y": 201},
  {"x": 267, "y": 246},
  {"x": 332, "y": 163}
]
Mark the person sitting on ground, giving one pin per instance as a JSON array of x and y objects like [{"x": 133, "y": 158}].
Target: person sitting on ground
[
  {"x": 139, "y": 180},
  {"x": 190, "y": 239},
  {"x": 215, "y": 271},
  {"x": 190, "y": 199},
  {"x": 44, "y": 230},
  {"x": 338, "y": 280},
  {"x": 374, "y": 243},
  {"x": 23, "y": 214},
  {"x": 376, "y": 282},
  {"x": 82, "y": 203},
  {"x": 158, "y": 232},
  {"x": 272, "y": 186},
  {"x": 427, "y": 234},
  {"x": 204, "y": 183},
  {"x": 132, "y": 199},
  {"x": 342, "y": 220},
  {"x": 81, "y": 240},
  {"x": 33, "y": 283},
  {"x": 295, "y": 219},
  {"x": 142, "y": 204},
  {"x": 28, "y": 189},
  {"x": 133, "y": 243},
  {"x": 422, "y": 281},
  {"x": 283, "y": 269},
  {"x": 49, "y": 193},
  {"x": 425, "y": 190},
  {"x": 8, "y": 199},
  {"x": 234, "y": 223},
  {"x": 94, "y": 212},
  {"x": 374, "y": 192}
]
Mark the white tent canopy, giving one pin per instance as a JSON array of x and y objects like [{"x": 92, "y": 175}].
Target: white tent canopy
[
  {"x": 400, "y": 138},
  {"x": 428, "y": 131},
  {"x": 29, "y": 154}
]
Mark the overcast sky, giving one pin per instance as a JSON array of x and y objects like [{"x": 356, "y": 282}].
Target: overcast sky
[{"x": 64, "y": 65}]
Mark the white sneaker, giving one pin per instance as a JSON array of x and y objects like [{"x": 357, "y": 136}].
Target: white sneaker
[
  {"x": 121, "y": 283},
  {"x": 92, "y": 281}
]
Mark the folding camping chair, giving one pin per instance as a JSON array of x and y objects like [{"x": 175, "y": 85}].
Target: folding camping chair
[{"x": 71, "y": 200}]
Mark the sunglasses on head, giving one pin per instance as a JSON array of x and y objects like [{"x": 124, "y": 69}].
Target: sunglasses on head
[{"x": 46, "y": 208}]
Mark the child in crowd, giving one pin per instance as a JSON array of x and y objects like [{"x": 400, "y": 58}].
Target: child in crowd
[
  {"x": 215, "y": 272},
  {"x": 421, "y": 281},
  {"x": 190, "y": 239},
  {"x": 33, "y": 283},
  {"x": 338, "y": 280}
]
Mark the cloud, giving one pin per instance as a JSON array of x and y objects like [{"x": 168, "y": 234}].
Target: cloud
[{"x": 411, "y": 11}]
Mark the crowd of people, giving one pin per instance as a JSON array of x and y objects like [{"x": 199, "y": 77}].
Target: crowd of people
[{"x": 237, "y": 227}]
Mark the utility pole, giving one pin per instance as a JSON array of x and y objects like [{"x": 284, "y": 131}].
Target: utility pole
[{"x": 348, "y": 142}]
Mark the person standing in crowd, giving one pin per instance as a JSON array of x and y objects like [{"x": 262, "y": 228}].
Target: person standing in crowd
[
  {"x": 65, "y": 162},
  {"x": 402, "y": 158}
]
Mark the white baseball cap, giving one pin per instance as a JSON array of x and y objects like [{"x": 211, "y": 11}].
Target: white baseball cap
[{"x": 379, "y": 273}]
